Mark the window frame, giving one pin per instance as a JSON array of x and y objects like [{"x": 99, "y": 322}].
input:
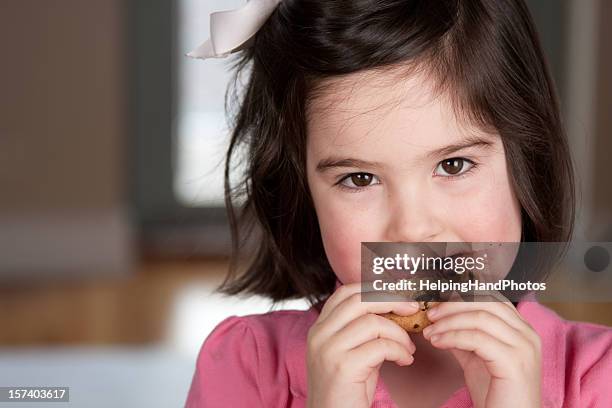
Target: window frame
[{"x": 166, "y": 227}]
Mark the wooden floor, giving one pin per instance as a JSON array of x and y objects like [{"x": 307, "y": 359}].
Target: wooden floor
[
  {"x": 132, "y": 310},
  {"x": 136, "y": 310}
]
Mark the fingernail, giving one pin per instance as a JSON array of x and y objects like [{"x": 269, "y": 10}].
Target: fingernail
[
  {"x": 413, "y": 305},
  {"x": 434, "y": 338},
  {"x": 427, "y": 331},
  {"x": 431, "y": 313}
]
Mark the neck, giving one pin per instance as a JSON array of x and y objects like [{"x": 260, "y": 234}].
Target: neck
[
  {"x": 427, "y": 353},
  {"x": 428, "y": 360}
]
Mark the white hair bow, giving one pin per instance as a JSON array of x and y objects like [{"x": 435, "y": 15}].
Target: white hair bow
[{"x": 232, "y": 28}]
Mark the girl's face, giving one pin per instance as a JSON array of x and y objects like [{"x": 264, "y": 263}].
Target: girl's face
[{"x": 391, "y": 163}]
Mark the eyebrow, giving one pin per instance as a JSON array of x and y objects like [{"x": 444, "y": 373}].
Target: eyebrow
[
  {"x": 470, "y": 141},
  {"x": 332, "y": 162}
]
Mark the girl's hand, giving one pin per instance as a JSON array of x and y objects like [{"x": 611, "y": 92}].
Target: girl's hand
[
  {"x": 497, "y": 349},
  {"x": 347, "y": 345}
]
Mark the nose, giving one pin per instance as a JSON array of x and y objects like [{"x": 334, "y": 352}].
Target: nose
[{"x": 413, "y": 217}]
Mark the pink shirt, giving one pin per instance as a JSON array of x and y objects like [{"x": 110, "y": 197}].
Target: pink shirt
[{"x": 259, "y": 361}]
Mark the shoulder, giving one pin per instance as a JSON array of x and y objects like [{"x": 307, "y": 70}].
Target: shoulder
[
  {"x": 243, "y": 356},
  {"x": 592, "y": 345},
  {"x": 589, "y": 348},
  {"x": 577, "y": 356},
  {"x": 581, "y": 342},
  {"x": 273, "y": 328},
  {"x": 281, "y": 325}
]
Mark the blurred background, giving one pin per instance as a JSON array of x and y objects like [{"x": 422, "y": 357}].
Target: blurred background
[{"x": 113, "y": 233}]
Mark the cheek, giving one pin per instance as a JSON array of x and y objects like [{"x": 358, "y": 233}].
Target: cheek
[
  {"x": 491, "y": 213},
  {"x": 342, "y": 233},
  {"x": 488, "y": 218}
]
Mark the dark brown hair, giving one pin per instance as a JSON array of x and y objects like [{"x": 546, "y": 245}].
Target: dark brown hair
[{"x": 485, "y": 54}]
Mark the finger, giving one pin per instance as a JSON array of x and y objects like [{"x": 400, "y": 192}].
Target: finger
[
  {"x": 496, "y": 355},
  {"x": 350, "y": 289},
  {"x": 494, "y": 296},
  {"x": 374, "y": 352},
  {"x": 486, "y": 296},
  {"x": 510, "y": 316},
  {"x": 478, "y": 320},
  {"x": 508, "y": 313},
  {"x": 338, "y": 297},
  {"x": 370, "y": 327},
  {"x": 352, "y": 307}
]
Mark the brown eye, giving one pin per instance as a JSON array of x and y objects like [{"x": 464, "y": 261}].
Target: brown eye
[
  {"x": 361, "y": 179},
  {"x": 454, "y": 166},
  {"x": 357, "y": 181}
]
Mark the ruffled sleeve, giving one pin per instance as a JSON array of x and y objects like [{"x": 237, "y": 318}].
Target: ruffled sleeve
[{"x": 226, "y": 368}]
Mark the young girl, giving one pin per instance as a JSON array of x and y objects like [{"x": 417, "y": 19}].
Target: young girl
[{"x": 393, "y": 121}]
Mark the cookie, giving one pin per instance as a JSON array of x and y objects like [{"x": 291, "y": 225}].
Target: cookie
[{"x": 414, "y": 323}]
